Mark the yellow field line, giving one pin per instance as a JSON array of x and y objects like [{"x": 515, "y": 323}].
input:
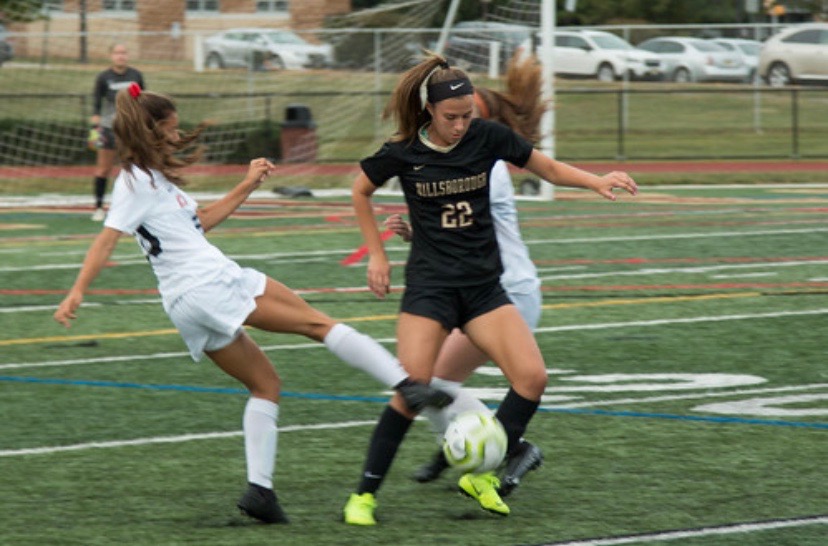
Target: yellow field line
[
  {"x": 375, "y": 318},
  {"x": 114, "y": 335}
]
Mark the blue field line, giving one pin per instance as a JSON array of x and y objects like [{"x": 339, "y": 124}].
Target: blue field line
[
  {"x": 380, "y": 399},
  {"x": 184, "y": 388},
  {"x": 701, "y": 418}
]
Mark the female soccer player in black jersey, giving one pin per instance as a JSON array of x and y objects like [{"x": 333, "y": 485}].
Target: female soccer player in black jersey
[{"x": 443, "y": 157}]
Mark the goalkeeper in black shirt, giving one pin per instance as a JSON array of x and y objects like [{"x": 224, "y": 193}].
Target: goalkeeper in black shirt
[
  {"x": 443, "y": 159},
  {"x": 101, "y": 138}
]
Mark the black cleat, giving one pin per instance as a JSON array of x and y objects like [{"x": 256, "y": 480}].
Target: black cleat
[
  {"x": 418, "y": 396},
  {"x": 525, "y": 457},
  {"x": 261, "y": 503},
  {"x": 431, "y": 470}
]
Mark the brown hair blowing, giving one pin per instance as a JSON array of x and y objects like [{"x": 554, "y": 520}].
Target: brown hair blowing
[
  {"x": 521, "y": 106},
  {"x": 143, "y": 143},
  {"x": 406, "y": 105}
]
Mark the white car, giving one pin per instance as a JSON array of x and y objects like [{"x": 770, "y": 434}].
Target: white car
[
  {"x": 696, "y": 60},
  {"x": 264, "y": 49},
  {"x": 796, "y": 53},
  {"x": 602, "y": 55},
  {"x": 747, "y": 49}
]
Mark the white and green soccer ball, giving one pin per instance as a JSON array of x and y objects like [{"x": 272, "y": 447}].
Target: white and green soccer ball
[{"x": 474, "y": 441}]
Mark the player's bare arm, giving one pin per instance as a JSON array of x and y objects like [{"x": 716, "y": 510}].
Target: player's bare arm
[
  {"x": 379, "y": 270},
  {"x": 215, "y": 213},
  {"x": 563, "y": 174},
  {"x": 96, "y": 258}
]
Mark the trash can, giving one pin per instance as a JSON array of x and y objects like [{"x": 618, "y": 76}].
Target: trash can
[{"x": 298, "y": 135}]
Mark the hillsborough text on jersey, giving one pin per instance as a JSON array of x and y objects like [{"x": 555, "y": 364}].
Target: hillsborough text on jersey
[{"x": 450, "y": 187}]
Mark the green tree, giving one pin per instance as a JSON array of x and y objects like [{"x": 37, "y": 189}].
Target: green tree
[{"x": 22, "y": 10}]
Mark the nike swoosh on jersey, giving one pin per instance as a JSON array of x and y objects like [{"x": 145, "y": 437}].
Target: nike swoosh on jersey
[{"x": 418, "y": 167}]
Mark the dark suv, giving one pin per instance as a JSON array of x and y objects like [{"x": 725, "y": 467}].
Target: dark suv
[
  {"x": 470, "y": 42},
  {"x": 6, "y": 49}
]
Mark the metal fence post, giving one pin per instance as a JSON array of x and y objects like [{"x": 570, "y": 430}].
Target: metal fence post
[
  {"x": 620, "y": 96},
  {"x": 795, "y": 123}
]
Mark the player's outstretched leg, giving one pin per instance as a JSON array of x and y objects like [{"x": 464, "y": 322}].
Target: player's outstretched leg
[
  {"x": 261, "y": 503},
  {"x": 360, "y": 509},
  {"x": 431, "y": 470},
  {"x": 483, "y": 488},
  {"x": 523, "y": 458},
  {"x": 418, "y": 396}
]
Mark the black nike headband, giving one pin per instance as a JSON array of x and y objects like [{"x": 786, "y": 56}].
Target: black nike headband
[{"x": 448, "y": 89}]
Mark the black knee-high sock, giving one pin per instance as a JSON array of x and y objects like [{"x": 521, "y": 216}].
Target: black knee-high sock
[
  {"x": 387, "y": 437},
  {"x": 100, "y": 190},
  {"x": 514, "y": 413}
]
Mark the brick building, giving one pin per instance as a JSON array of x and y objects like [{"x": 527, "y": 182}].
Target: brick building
[{"x": 163, "y": 29}]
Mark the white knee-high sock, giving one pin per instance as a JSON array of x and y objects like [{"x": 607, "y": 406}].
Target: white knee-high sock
[
  {"x": 463, "y": 401},
  {"x": 260, "y": 440},
  {"x": 364, "y": 353}
]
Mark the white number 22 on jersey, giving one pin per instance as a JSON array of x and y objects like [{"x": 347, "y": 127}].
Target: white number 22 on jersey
[{"x": 457, "y": 215}]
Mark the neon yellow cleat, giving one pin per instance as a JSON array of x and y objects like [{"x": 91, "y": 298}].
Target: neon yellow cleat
[
  {"x": 360, "y": 509},
  {"x": 483, "y": 489}
]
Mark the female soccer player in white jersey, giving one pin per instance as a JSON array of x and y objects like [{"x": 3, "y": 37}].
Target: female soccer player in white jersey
[
  {"x": 443, "y": 159},
  {"x": 210, "y": 297},
  {"x": 520, "y": 107}
]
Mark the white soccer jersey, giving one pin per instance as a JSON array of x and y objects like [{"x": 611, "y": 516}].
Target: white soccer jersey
[
  {"x": 519, "y": 273},
  {"x": 164, "y": 222}
]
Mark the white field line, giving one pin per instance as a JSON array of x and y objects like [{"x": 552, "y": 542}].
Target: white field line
[
  {"x": 171, "y": 439},
  {"x": 736, "y": 529},
  {"x": 673, "y": 270},
  {"x": 674, "y": 397},
  {"x": 745, "y": 275},
  {"x": 627, "y": 238},
  {"x": 685, "y": 320},
  {"x": 545, "y": 330},
  {"x": 282, "y": 257},
  {"x": 338, "y": 252},
  {"x": 29, "y": 308}
]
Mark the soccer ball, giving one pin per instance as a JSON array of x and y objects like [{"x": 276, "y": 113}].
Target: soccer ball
[{"x": 474, "y": 441}]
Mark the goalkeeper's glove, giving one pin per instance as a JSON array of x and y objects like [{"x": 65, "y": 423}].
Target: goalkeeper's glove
[{"x": 93, "y": 140}]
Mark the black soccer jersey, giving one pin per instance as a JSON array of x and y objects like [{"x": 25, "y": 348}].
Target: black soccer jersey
[
  {"x": 107, "y": 85},
  {"x": 447, "y": 192}
]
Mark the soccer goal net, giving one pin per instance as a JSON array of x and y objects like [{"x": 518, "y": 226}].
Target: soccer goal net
[{"x": 314, "y": 118}]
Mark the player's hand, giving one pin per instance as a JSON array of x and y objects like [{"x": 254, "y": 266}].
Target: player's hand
[
  {"x": 66, "y": 310},
  {"x": 258, "y": 170},
  {"x": 399, "y": 226},
  {"x": 616, "y": 180},
  {"x": 379, "y": 276}
]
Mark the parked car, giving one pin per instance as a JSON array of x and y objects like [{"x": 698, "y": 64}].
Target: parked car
[
  {"x": 747, "y": 49},
  {"x": 696, "y": 60},
  {"x": 6, "y": 49},
  {"x": 602, "y": 55},
  {"x": 264, "y": 49},
  {"x": 469, "y": 44},
  {"x": 794, "y": 54}
]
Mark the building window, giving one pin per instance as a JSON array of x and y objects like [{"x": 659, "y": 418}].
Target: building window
[
  {"x": 119, "y": 5},
  {"x": 273, "y": 5},
  {"x": 202, "y": 5}
]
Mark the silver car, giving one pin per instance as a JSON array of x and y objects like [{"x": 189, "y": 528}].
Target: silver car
[
  {"x": 796, "y": 53},
  {"x": 747, "y": 49},
  {"x": 696, "y": 60},
  {"x": 264, "y": 49},
  {"x": 602, "y": 55}
]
